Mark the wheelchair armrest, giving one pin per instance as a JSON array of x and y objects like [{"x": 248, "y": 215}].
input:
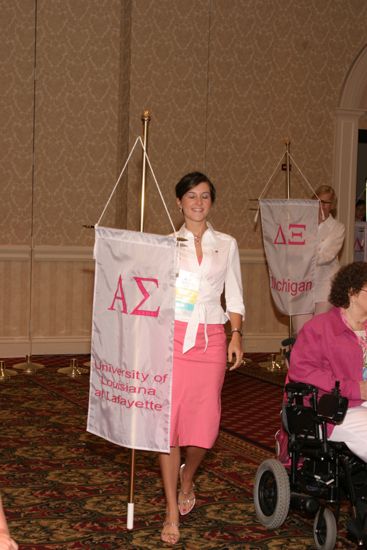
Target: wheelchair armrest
[
  {"x": 332, "y": 408},
  {"x": 288, "y": 341},
  {"x": 300, "y": 389}
]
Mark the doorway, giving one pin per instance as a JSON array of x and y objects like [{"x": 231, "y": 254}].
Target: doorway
[{"x": 351, "y": 111}]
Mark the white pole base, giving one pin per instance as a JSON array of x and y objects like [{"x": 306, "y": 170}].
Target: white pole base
[{"x": 130, "y": 515}]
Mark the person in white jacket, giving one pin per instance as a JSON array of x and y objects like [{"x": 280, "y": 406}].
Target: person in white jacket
[{"x": 330, "y": 238}]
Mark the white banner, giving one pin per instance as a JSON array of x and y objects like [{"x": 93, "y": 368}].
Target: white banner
[
  {"x": 360, "y": 249},
  {"x": 290, "y": 241},
  {"x": 132, "y": 339}
]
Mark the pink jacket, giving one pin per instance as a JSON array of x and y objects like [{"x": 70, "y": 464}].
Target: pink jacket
[{"x": 326, "y": 350}]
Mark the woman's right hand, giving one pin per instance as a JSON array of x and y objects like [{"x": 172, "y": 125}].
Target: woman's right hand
[{"x": 363, "y": 389}]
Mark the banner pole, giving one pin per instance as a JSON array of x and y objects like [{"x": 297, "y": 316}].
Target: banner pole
[
  {"x": 145, "y": 119},
  {"x": 130, "y": 504},
  {"x": 288, "y": 183},
  {"x": 29, "y": 367}
]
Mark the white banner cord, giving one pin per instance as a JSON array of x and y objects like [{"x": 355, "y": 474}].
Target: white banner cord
[
  {"x": 302, "y": 174},
  {"x": 138, "y": 139},
  {"x": 159, "y": 190},
  {"x": 118, "y": 181},
  {"x": 265, "y": 189},
  {"x": 271, "y": 177},
  {"x": 308, "y": 183}
]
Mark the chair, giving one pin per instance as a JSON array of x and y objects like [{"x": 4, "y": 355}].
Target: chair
[{"x": 317, "y": 475}]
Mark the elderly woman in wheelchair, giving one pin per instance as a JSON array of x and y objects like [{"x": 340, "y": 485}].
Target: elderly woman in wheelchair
[{"x": 322, "y": 448}]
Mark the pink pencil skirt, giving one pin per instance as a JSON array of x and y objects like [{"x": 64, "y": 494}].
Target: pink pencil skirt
[{"x": 197, "y": 382}]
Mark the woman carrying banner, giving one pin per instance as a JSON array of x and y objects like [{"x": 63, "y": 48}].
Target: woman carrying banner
[
  {"x": 333, "y": 346},
  {"x": 330, "y": 238},
  {"x": 208, "y": 262}
]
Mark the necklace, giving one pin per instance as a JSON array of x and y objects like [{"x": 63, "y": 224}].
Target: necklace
[{"x": 198, "y": 237}]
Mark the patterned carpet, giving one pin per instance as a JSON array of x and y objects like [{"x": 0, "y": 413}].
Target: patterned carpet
[
  {"x": 66, "y": 489},
  {"x": 244, "y": 397}
]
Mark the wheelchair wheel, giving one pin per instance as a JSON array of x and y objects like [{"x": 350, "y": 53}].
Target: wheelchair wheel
[
  {"x": 324, "y": 530},
  {"x": 271, "y": 493}
]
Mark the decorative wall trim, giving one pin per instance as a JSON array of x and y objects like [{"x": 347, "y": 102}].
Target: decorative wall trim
[
  {"x": 85, "y": 253},
  {"x": 15, "y": 347},
  {"x": 255, "y": 256},
  {"x": 266, "y": 342},
  {"x": 63, "y": 253},
  {"x": 46, "y": 253},
  {"x": 14, "y": 253}
]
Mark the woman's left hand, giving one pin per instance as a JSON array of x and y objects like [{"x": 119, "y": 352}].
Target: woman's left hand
[
  {"x": 235, "y": 348},
  {"x": 6, "y": 542}
]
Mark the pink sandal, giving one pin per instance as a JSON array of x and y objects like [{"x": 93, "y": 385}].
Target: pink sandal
[
  {"x": 186, "y": 501},
  {"x": 170, "y": 533}
]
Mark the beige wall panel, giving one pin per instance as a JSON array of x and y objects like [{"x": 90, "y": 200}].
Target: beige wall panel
[
  {"x": 16, "y": 115},
  {"x": 169, "y": 70},
  {"x": 226, "y": 83},
  {"x": 63, "y": 279},
  {"x": 62, "y": 299},
  {"x": 14, "y": 296},
  {"x": 264, "y": 326},
  {"x": 77, "y": 117},
  {"x": 276, "y": 70}
]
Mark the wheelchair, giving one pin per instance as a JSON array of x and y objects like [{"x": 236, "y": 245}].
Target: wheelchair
[{"x": 312, "y": 474}]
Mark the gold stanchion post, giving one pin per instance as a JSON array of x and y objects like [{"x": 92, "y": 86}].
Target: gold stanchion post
[
  {"x": 5, "y": 373},
  {"x": 73, "y": 370},
  {"x": 29, "y": 367}
]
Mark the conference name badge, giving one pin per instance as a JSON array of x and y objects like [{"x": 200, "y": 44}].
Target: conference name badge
[{"x": 187, "y": 290}]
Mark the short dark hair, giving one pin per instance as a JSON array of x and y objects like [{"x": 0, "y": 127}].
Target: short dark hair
[
  {"x": 349, "y": 280},
  {"x": 191, "y": 180}
]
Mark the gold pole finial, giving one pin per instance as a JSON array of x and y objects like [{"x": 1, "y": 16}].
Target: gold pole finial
[{"x": 146, "y": 115}]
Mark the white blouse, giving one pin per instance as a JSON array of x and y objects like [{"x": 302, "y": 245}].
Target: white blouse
[{"x": 199, "y": 286}]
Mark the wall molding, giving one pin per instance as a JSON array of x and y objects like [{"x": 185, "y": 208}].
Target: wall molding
[
  {"x": 14, "y": 253},
  {"x": 46, "y": 253},
  {"x": 252, "y": 256},
  {"x": 85, "y": 253},
  {"x": 266, "y": 342},
  {"x": 20, "y": 347}
]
